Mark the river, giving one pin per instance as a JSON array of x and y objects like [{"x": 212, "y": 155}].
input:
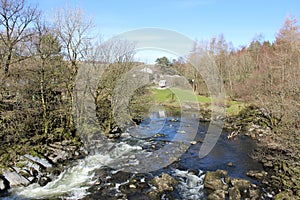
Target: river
[{"x": 109, "y": 170}]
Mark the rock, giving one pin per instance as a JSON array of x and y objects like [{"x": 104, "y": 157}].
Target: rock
[
  {"x": 44, "y": 180},
  {"x": 159, "y": 135},
  {"x": 137, "y": 196},
  {"x": 15, "y": 179},
  {"x": 234, "y": 194},
  {"x": 268, "y": 164},
  {"x": 154, "y": 194},
  {"x": 230, "y": 164},
  {"x": 254, "y": 194},
  {"x": 57, "y": 153},
  {"x": 142, "y": 185},
  {"x": 40, "y": 161},
  {"x": 128, "y": 188},
  {"x": 241, "y": 184},
  {"x": 125, "y": 135},
  {"x": 103, "y": 173},
  {"x": 165, "y": 183},
  {"x": 116, "y": 130},
  {"x": 193, "y": 142},
  {"x": 120, "y": 177},
  {"x": 32, "y": 179},
  {"x": 114, "y": 135},
  {"x": 253, "y": 135},
  {"x": 217, "y": 195},
  {"x": 257, "y": 174},
  {"x": 4, "y": 184},
  {"x": 218, "y": 180},
  {"x": 284, "y": 195},
  {"x": 55, "y": 171}
]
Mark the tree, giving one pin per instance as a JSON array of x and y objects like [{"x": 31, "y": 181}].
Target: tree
[
  {"x": 287, "y": 45},
  {"x": 74, "y": 32},
  {"x": 15, "y": 20},
  {"x": 48, "y": 57},
  {"x": 163, "y": 61},
  {"x": 254, "y": 49},
  {"x": 117, "y": 56}
]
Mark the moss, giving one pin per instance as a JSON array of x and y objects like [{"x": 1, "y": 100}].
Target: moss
[
  {"x": 288, "y": 195},
  {"x": 21, "y": 164}
]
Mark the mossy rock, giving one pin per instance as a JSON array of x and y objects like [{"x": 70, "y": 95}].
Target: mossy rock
[{"x": 286, "y": 195}]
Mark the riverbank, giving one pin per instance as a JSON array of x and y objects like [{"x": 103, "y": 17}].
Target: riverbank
[
  {"x": 39, "y": 163},
  {"x": 279, "y": 153}
]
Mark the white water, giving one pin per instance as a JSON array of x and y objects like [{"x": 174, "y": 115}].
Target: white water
[
  {"x": 74, "y": 181},
  {"x": 190, "y": 184}
]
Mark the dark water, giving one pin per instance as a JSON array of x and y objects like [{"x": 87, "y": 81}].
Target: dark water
[
  {"x": 236, "y": 151},
  {"x": 91, "y": 179}
]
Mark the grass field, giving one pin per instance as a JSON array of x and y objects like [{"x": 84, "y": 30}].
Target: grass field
[{"x": 172, "y": 97}]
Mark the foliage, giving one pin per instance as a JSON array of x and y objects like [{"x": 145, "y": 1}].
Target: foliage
[{"x": 163, "y": 61}]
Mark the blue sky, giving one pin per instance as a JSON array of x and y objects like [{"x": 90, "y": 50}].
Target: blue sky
[{"x": 239, "y": 21}]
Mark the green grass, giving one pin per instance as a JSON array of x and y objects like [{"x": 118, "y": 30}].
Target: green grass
[
  {"x": 161, "y": 96},
  {"x": 234, "y": 107},
  {"x": 165, "y": 96}
]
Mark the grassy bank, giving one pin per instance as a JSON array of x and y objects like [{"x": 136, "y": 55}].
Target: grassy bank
[{"x": 173, "y": 96}]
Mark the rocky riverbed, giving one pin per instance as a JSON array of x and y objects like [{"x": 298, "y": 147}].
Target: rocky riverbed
[
  {"x": 40, "y": 167},
  {"x": 65, "y": 170},
  {"x": 102, "y": 173},
  {"x": 279, "y": 160}
]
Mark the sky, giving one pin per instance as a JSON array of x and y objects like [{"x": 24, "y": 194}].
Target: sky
[{"x": 238, "y": 20}]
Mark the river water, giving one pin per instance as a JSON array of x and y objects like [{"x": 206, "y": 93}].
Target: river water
[{"x": 105, "y": 172}]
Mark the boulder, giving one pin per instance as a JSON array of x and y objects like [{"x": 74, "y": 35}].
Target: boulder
[
  {"x": 234, "y": 194},
  {"x": 39, "y": 161},
  {"x": 241, "y": 184},
  {"x": 257, "y": 174},
  {"x": 165, "y": 182},
  {"x": 218, "y": 180},
  {"x": 44, "y": 180},
  {"x": 217, "y": 195},
  {"x": 120, "y": 177},
  {"x": 15, "y": 179},
  {"x": 254, "y": 194},
  {"x": 60, "y": 152},
  {"x": 4, "y": 184},
  {"x": 128, "y": 188}
]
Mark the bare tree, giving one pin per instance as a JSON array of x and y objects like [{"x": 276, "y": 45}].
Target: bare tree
[
  {"x": 74, "y": 31},
  {"x": 15, "y": 20},
  {"x": 117, "y": 56}
]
